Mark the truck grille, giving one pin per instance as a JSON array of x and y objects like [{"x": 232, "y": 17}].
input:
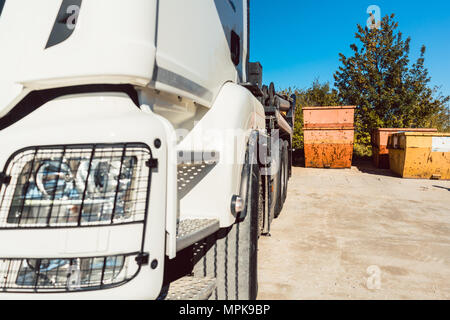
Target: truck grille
[
  {"x": 71, "y": 186},
  {"x": 66, "y": 274}
]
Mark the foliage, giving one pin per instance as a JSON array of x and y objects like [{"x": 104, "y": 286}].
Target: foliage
[
  {"x": 317, "y": 95},
  {"x": 387, "y": 91},
  {"x": 362, "y": 150},
  {"x": 380, "y": 80}
]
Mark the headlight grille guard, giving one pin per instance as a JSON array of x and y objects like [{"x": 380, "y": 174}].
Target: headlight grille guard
[
  {"x": 61, "y": 275},
  {"x": 69, "y": 198}
]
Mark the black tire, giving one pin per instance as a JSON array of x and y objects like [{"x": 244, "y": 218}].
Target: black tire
[
  {"x": 280, "y": 183},
  {"x": 284, "y": 177},
  {"x": 230, "y": 255},
  {"x": 286, "y": 172}
]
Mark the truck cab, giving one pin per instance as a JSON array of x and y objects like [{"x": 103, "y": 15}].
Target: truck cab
[{"x": 138, "y": 149}]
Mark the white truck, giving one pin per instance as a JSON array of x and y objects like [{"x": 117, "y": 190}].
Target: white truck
[{"x": 140, "y": 156}]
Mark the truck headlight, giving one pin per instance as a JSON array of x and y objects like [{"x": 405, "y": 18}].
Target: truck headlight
[
  {"x": 73, "y": 186},
  {"x": 67, "y": 274}
]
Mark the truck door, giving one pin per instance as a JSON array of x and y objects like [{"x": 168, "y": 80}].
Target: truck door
[
  {"x": 200, "y": 46},
  {"x": 234, "y": 19}
]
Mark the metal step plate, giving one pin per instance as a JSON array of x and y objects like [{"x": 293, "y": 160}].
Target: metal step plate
[
  {"x": 191, "y": 288},
  {"x": 191, "y": 231},
  {"x": 189, "y": 175},
  {"x": 193, "y": 167}
]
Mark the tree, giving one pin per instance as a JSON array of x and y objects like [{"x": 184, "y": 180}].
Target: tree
[
  {"x": 387, "y": 91},
  {"x": 317, "y": 95}
]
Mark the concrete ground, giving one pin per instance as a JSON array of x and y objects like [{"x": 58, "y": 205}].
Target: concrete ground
[{"x": 358, "y": 234}]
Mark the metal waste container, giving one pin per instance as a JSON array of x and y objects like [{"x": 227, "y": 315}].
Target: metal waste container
[
  {"x": 420, "y": 155},
  {"x": 328, "y": 136},
  {"x": 379, "y": 139}
]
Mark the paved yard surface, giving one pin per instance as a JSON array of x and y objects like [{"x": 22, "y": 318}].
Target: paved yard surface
[{"x": 358, "y": 234}]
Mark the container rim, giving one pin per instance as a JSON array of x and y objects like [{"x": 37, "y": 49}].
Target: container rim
[
  {"x": 329, "y": 107},
  {"x": 325, "y": 128},
  {"x": 422, "y": 134},
  {"x": 406, "y": 129}
]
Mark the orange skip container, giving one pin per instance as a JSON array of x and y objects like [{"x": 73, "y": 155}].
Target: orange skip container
[
  {"x": 379, "y": 141},
  {"x": 329, "y": 135}
]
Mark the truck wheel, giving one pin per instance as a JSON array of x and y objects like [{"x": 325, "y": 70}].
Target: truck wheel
[
  {"x": 230, "y": 255},
  {"x": 284, "y": 177},
  {"x": 280, "y": 183},
  {"x": 286, "y": 173}
]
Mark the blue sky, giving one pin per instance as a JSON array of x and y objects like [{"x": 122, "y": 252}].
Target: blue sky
[{"x": 299, "y": 40}]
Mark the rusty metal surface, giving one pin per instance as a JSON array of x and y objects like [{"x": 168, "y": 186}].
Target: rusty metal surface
[
  {"x": 420, "y": 155},
  {"x": 325, "y": 116},
  {"x": 329, "y": 126},
  {"x": 328, "y": 136},
  {"x": 379, "y": 141},
  {"x": 380, "y": 157},
  {"x": 335, "y": 136},
  {"x": 328, "y": 155}
]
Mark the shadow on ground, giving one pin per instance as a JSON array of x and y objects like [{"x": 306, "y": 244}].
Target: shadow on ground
[
  {"x": 440, "y": 187},
  {"x": 366, "y": 166},
  {"x": 298, "y": 158}
]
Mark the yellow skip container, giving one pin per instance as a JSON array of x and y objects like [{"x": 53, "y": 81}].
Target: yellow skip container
[{"x": 420, "y": 155}]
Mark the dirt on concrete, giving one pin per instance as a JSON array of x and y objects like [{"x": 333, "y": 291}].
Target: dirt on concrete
[{"x": 358, "y": 233}]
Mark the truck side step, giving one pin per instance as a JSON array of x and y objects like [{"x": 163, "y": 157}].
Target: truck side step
[
  {"x": 189, "y": 175},
  {"x": 191, "y": 288},
  {"x": 191, "y": 231}
]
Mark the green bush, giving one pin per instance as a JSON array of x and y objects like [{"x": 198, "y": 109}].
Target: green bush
[
  {"x": 388, "y": 91},
  {"x": 362, "y": 150}
]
